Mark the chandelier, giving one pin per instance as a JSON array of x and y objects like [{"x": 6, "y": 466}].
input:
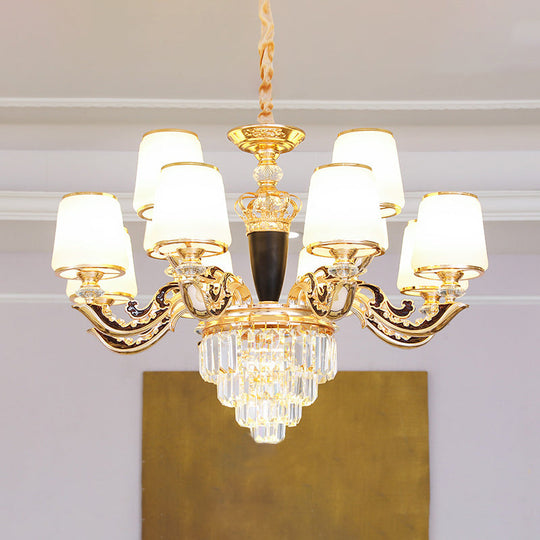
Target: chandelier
[{"x": 267, "y": 358}]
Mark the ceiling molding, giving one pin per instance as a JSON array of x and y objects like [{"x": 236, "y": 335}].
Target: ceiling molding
[
  {"x": 252, "y": 105},
  {"x": 496, "y": 205},
  {"x": 476, "y": 300}
]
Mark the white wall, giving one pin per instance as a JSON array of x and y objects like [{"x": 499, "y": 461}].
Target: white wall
[{"x": 71, "y": 422}]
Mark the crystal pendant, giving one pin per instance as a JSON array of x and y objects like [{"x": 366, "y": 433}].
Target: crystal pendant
[{"x": 269, "y": 433}]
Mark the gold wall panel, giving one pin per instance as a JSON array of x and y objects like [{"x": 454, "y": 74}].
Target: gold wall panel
[{"x": 356, "y": 467}]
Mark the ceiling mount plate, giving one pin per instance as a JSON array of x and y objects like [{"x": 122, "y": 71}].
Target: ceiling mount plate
[{"x": 258, "y": 138}]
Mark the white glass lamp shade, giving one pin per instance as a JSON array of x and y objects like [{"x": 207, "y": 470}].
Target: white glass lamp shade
[
  {"x": 158, "y": 148},
  {"x": 376, "y": 148},
  {"x": 222, "y": 261},
  {"x": 308, "y": 263},
  {"x": 407, "y": 282},
  {"x": 190, "y": 208},
  {"x": 117, "y": 290},
  {"x": 450, "y": 236},
  {"x": 89, "y": 236},
  {"x": 343, "y": 211},
  {"x": 149, "y": 242}
]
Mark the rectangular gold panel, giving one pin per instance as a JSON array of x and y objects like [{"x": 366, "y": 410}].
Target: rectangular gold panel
[{"x": 356, "y": 467}]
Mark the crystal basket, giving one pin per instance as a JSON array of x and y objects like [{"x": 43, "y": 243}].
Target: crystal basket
[{"x": 267, "y": 362}]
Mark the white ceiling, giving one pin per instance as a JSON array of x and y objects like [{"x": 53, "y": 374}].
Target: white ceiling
[{"x": 340, "y": 50}]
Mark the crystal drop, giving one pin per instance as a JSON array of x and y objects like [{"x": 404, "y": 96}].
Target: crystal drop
[{"x": 268, "y": 434}]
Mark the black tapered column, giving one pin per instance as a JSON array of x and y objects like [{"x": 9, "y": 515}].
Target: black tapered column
[{"x": 268, "y": 253}]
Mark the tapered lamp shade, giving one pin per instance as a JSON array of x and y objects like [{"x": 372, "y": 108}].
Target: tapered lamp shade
[
  {"x": 158, "y": 148},
  {"x": 190, "y": 206},
  {"x": 308, "y": 263},
  {"x": 222, "y": 261},
  {"x": 450, "y": 236},
  {"x": 117, "y": 290},
  {"x": 343, "y": 211},
  {"x": 407, "y": 282},
  {"x": 89, "y": 236},
  {"x": 149, "y": 242},
  {"x": 376, "y": 148}
]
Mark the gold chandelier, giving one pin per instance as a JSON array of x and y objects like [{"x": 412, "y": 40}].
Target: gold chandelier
[{"x": 267, "y": 358}]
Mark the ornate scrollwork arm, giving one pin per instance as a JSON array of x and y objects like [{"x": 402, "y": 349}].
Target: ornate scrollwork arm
[
  {"x": 211, "y": 293},
  {"x": 130, "y": 344},
  {"x": 203, "y": 296},
  {"x": 392, "y": 324},
  {"x": 332, "y": 297},
  {"x": 326, "y": 295},
  {"x": 141, "y": 320},
  {"x": 146, "y": 325}
]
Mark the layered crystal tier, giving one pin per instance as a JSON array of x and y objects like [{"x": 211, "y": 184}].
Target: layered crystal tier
[
  {"x": 268, "y": 374},
  {"x": 310, "y": 349}
]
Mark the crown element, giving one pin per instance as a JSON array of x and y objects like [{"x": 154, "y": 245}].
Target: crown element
[{"x": 268, "y": 209}]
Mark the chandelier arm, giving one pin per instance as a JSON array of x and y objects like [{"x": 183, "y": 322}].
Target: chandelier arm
[
  {"x": 266, "y": 59},
  {"x": 141, "y": 321},
  {"x": 160, "y": 300},
  {"x": 364, "y": 311},
  {"x": 396, "y": 339},
  {"x": 425, "y": 326},
  {"x": 335, "y": 314},
  {"x": 129, "y": 344},
  {"x": 381, "y": 314},
  {"x": 218, "y": 291},
  {"x": 319, "y": 291},
  {"x": 156, "y": 320},
  {"x": 380, "y": 299},
  {"x": 188, "y": 301},
  {"x": 112, "y": 325}
]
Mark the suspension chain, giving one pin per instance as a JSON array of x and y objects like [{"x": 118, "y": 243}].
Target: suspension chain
[{"x": 266, "y": 57}]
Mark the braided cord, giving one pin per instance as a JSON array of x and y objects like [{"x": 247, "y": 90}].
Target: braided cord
[{"x": 266, "y": 57}]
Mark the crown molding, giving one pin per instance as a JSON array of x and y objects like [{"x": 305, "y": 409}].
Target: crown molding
[
  {"x": 251, "y": 105},
  {"x": 475, "y": 300},
  {"x": 496, "y": 206}
]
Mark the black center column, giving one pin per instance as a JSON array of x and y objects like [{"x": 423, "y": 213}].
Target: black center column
[{"x": 268, "y": 254}]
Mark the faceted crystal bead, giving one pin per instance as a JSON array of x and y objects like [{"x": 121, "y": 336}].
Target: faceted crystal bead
[
  {"x": 89, "y": 292},
  {"x": 451, "y": 291},
  {"x": 264, "y": 173}
]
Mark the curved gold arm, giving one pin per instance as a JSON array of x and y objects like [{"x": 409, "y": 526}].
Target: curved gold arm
[
  {"x": 381, "y": 310},
  {"x": 141, "y": 320},
  {"x": 396, "y": 339},
  {"x": 214, "y": 290},
  {"x": 321, "y": 291},
  {"x": 145, "y": 327},
  {"x": 392, "y": 324},
  {"x": 129, "y": 344},
  {"x": 211, "y": 293}
]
